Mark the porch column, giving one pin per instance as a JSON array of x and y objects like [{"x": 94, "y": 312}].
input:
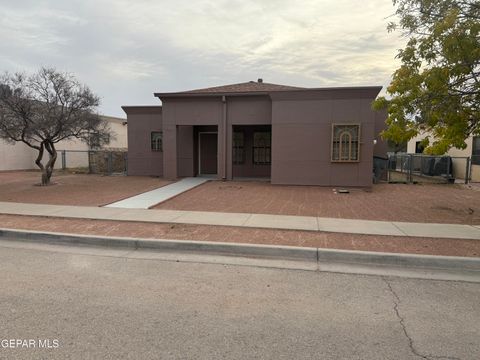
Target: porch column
[
  {"x": 170, "y": 151},
  {"x": 222, "y": 142},
  {"x": 229, "y": 152}
]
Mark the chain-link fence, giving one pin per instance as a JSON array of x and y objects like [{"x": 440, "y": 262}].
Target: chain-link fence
[
  {"x": 93, "y": 161},
  {"x": 419, "y": 168}
]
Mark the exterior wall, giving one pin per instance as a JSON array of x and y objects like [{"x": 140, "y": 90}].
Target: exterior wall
[
  {"x": 182, "y": 119},
  {"x": 120, "y": 130},
  {"x": 301, "y": 139},
  {"x": 247, "y": 110},
  {"x": 17, "y": 156},
  {"x": 301, "y": 124},
  {"x": 189, "y": 112},
  {"x": 141, "y": 159},
  {"x": 186, "y": 151},
  {"x": 411, "y": 144}
]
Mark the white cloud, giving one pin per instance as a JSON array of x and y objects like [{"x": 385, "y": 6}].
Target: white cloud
[
  {"x": 131, "y": 69},
  {"x": 150, "y": 45}
]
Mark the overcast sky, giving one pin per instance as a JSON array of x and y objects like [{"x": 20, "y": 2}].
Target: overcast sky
[{"x": 127, "y": 49}]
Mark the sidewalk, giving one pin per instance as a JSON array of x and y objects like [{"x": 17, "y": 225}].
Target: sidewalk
[
  {"x": 286, "y": 222},
  {"x": 154, "y": 197}
]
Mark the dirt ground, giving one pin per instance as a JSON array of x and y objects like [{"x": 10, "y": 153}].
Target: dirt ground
[
  {"x": 73, "y": 189},
  {"x": 435, "y": 203},
  {"x": 395, "y": 244}
]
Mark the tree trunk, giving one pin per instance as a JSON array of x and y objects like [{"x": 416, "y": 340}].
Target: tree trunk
[
  {"x": 38, "y": 161},
  {"x": 48, "y": 170}
]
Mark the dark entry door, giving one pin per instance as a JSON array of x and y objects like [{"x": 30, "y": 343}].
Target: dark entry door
[{"x": 208, "y": 153}]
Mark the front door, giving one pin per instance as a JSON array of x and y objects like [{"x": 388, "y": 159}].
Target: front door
[{"x": 207, "y": 153}]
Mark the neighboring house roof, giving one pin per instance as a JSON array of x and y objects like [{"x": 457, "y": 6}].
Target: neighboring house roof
[{"x": 114, "y": 119}]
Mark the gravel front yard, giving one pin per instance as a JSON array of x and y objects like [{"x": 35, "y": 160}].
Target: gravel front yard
[
  {"x": 388, "y": 202},
  {"x": 73, "y": 189},
  {"x": 396, "y": 244}
]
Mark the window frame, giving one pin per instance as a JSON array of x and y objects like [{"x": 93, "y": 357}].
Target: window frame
[
  {"x": 332, "y": 141},
  {"x": 419, "y": 147},
  {"x": 475, "y": 157},
  {"x": 269, "y": 147},
  {"x": 156, "y": 148}
]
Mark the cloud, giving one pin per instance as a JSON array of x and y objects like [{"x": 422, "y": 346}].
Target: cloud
[{"x": 126, "y": 50}]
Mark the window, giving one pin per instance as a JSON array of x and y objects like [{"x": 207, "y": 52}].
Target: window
[
  {"x": 156, "y": 141},
  {"x": 238, "y": 147},
  {"x": 476, "y": 150},
  {"x": 262, "y": 148},
  {"x": 419, "y": 147},
  {"x": 345, "y": 142}
]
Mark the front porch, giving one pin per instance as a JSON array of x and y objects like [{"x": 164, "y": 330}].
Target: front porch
[
  {"x": 251, "y": 151},
  {"x": 244, "y": 152}
]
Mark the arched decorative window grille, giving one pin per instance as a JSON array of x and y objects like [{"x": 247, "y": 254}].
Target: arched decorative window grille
[
  {"x": 345, "y": 142},
  {"x": 156, "y": 141}
]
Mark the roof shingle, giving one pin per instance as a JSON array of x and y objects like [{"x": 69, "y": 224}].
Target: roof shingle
[{"x": 251, "y": 86}]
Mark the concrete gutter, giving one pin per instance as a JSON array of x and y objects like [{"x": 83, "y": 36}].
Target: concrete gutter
[{"x": 433, "y": 267}]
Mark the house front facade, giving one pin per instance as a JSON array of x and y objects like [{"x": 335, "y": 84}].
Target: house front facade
[{"x": 290, "y": 135}]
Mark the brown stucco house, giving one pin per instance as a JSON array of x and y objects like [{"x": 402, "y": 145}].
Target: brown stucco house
[{"x": 291, "y": 135}]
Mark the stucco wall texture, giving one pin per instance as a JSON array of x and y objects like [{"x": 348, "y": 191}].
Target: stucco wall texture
[
  {"x": 18, "y": 156},
  {"x": 300, "y": 122}
]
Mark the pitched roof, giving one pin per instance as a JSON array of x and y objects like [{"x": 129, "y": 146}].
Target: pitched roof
[
  {"x": 246, "y": 87},
  {"x": 261, "y": 88}
]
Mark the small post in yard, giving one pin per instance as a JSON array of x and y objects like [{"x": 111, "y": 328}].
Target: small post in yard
[
  {"x": 468, "y": 168},
  {"x": 90, "y": 160},
  {"x": 410, "y": 168},
  {"x": 109, "y": 163},
  {"x": 64, "y": 159},
  {"x": 449, "y": 159}
]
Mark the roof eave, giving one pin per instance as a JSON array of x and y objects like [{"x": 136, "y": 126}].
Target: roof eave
[
  {"x": 207, "y": 94},
  {"x": 376, "y": 89},
  {"x": 142, "y": 108}
]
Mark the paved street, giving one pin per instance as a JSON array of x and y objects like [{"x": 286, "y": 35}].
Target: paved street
[{"x": 112, "y": 307}]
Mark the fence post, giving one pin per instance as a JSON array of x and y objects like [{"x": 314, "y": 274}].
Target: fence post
[
  {"x": 125, "y": 157},
  {"x": 468, "y": 169},
  {"x": 109, "y": 163},
  {"x": 449, "y": 160},
  {"x": 90, "y": 162},
  {"x": 64, "y": 160},
  {"x": 410, "y": 168}
]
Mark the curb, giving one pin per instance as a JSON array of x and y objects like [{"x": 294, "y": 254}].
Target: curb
[
  {"x": 293, "y": 253},
  {"x": 233, "y": 249}
]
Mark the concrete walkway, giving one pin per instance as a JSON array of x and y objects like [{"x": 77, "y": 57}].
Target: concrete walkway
[
  {"x": 351, "y": 226},
  {"x": 153, "y": 197}
]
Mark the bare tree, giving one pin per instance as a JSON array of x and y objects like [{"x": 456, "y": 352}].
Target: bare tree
[{"x": 46, "y": 107}]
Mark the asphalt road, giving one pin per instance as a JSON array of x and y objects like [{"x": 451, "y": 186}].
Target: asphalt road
[{"x": 109, "y": 307}]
